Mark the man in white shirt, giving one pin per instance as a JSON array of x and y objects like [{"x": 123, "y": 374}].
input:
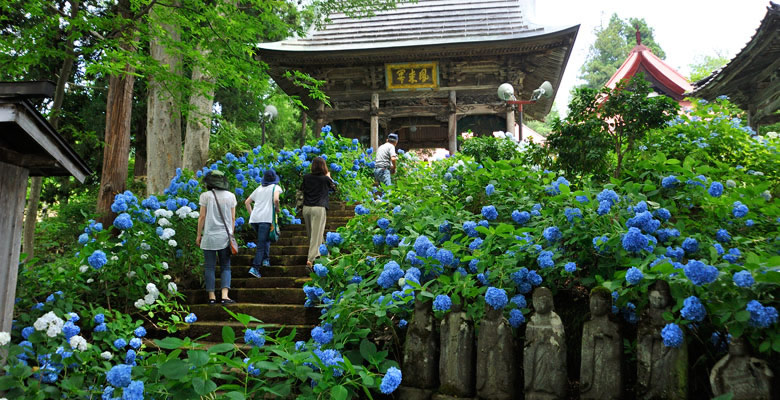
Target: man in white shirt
[{"x": 385, "y": 162}]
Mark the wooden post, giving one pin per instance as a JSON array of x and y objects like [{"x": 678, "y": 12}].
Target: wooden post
[
  {"x": 304, "y": 119},
  {"x": 13, "y": 189},
  {"x": 320, "y": 120},
  {"x": 510, "y": 120},
  {"x": 452, "y": 131},
  {"x": 374, "y": 121}
]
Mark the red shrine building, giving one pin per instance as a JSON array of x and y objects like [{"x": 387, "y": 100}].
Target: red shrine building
[{"x": 663, "y": 78}]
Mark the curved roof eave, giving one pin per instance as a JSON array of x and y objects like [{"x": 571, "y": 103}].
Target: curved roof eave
[{"x": 295, "y": 46}]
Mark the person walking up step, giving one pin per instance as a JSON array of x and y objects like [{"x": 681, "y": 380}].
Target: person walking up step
[
  {"x": 261, "y": 217},
  {"x": 385, "y": 161},
  {"x": 316, "y": 189},
  {"x": 217, "y": 216}
]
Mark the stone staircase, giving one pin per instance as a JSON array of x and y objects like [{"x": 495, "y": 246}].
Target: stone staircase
[{"x": 276, "y": 298}]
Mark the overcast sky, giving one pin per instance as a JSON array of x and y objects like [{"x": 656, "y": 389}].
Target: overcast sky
[{"x": 685, "y": 29}]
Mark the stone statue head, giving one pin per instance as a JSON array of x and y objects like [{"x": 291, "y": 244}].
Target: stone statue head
[
  {"x": 660, "y": 295},
  {"x": 737, "y": 347},
  {"x": 600, "y": 301},
  {"x": 542, "y": 300}
]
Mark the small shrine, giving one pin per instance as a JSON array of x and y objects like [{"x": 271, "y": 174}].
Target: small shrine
[
  {"x": 427, "y": 70},
  {"x": 664, "y": 79}
]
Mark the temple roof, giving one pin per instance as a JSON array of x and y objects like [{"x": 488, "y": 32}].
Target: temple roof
[
  {"x": 642, "y": 59},
  {"x": 427, "y": 22},
  {"x": 750, "y": 79}
]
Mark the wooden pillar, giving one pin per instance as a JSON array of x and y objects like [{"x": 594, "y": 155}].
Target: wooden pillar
[
  {"x": 319, "y": 121},
  {"x": 13, "y": 189},
  {"x": 510, "y": 120},
  {"x": 452, "y": 128},
  {"x": 374, "y": 121},
  {"x": 304, "y": 119}
]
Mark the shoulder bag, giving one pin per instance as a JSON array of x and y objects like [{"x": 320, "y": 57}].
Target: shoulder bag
[
  {"x": 233, "y": 243},
  {"x": 273, "y": 235}
]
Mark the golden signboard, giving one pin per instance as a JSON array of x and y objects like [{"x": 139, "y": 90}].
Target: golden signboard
[{"x": 412, "y": 75}]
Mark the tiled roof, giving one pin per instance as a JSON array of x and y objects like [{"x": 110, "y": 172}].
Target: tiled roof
[
  {"x": 424, "y": 22},
  {"x": 642, "y": 59}
]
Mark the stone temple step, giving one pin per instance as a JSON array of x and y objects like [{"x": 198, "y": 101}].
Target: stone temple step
[
  {"x": 286, "y": 314},
  {"x": 265, "y": 282},
  {"x": 252, "y": 295},
  {"x": 242, "y": 271},
  {"x": 244, "y": 258}
]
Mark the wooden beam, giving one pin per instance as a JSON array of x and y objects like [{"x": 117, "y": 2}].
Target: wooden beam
[
  {"x": 28, "y": 90},
  {"x": 29, "y": 161},
  {"x": 374, "y": 121},
  {"x": 13, "y": 189}
]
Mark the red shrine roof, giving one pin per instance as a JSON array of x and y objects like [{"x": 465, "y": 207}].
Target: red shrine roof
[{"x": 641, "y": 59}]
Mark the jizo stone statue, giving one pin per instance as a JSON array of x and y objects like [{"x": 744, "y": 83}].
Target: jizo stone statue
[
  {"x": 662, "y": 372},
  {"x": 602, "y": 349},
  {"x": 744, "y": 376},
  {"x": 458, "y": 354},
  {"x": 544, "y": 357},
  {"x": 421, "y": 354},
  {"x": 496, "y": 358}
]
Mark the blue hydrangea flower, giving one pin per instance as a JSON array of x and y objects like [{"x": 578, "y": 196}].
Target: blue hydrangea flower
[
  {"x": 634, "y": 241},
  {"x": 743, "y": 279},
  {"x": 552, "y": 234},
  {"x": 716, "y": 189},
  {"x": 320, "y": 270},
  {"x": 489, "y": 212},
  {"x": 135, "y": 343},
  {"x": 520, "y": 217},
  {"x": 445, "y": 257},
  {"x": 700, "y": 273},
  {"x": 322, "y": 334},
  {"x": 139, "y": 332},
  {"x": 516, "y": 318},
  {"x": 644, "y": 221},
  {"x": 26, "y": 332},
  {"x": 130, "y": 357},
  {"x": 749, "y": 223},
  {"x": 690, "y": 245},
  {"x": 70, "y": 329},
  {"x": 496, "y": 298},
  {"x": 490, "y": 189},
  {"x": 676, "y": 253},
  {"x": 608, "y": 195},
  {"x": 604, "y": 207},
  {"x": 672, "y": 335},
  {"x": 634, "y": 275},
  {"x": 378, "y": 239},
  {"x": 693, "y": 310},
  {"x": 761, "y": 316},
  {"x": 391, "y": 380},
  {"x": 391, "y": 273},
  {"x": 190, "y": 318},
  {"x": 582, "y": 199},
  {"x": 119, "y": 375},
  {"x": 667, "y": 234},
  {"x": 733, "y": 255},
  {"x": 83, "y": 238},
  {"x": 98, "y": 259},
  {"x": 475, "y": 244},
  {"x": 663, "y": 214},
  {"x": 739, "y": 210},
  {"x": 392, "y": 240},
  {"x": 120, "y": 343},
  {"x": 333, "y": 239},
  {"x": 545, "y": 259},
  {"x": 570, "y": 267},
  {"x": 670, "y": 182},
  {"x": 722, "y": 236},
  {"x": 600, "y": 243},
  {"x": 572, "y": 213},
  {"x": 101, "y": 327},
  {"x": 442, "y": 302},
  {"x": 323, "y": 250},
  {"x": 361, "y": 210},
  {"x": 473, "y": 265},
  {"x": 255, "y": 337},
  {"x": 383, "y": 223}
]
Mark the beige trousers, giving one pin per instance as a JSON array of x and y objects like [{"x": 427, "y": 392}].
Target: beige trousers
[{"x": 315, "y": 229}]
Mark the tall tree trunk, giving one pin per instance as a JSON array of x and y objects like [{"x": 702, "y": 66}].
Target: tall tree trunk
[
  {"x": 139, "y": 169},
  {"x": 36, "y": 182},
  {"x": 196, "y": 144},
  {"x": 119, "y": 106},
  {"x": 163, "y": 116}
]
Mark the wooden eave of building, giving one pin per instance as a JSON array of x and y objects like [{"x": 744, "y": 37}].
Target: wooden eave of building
[
  {"x": 751, "y": 79},
  {"x": 535, "y": 56},
  {"x": 28, "y": 141}
]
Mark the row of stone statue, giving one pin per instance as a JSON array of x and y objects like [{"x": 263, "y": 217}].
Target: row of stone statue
[{"x": 486, "y": 368}]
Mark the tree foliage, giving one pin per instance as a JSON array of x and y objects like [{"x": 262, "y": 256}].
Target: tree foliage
[
  {"x": 703, "y": 66},
  {"x": 612, "y": 46}
]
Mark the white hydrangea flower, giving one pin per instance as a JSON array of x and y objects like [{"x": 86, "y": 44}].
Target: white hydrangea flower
[
  {"x": 167, "y": 277},
  {"x": 767, "y": 195},
  {"x": 183, "y": 211},
  {"x": 144, "y": 256},
  {"x": 152, "y": 288},
  {"x": 145, "y": 246},
  {"x": 161, "y": 212},
  {"x": 150, "y": 298},
  {"x": 194, "y": 215},
  {"x": 78, "y": 342},
  {"x": 401, "y": 281},
  {"x": 140, "y": 303},
  {"x": 730, "y": 183},
  {"x": 469, "y": 199},
  {"x": 164, "y": 265},
  {"x": 118, "y": 244},
  {"x": 172, "y": 243},
  {"x": 167, "y": 233},
  {"x": 5, "y": 338},
  {"x": 139, "y": 233},
  {"x": 772, "y": 135},
  {"x": 106, "y": 355},
  {"x": 90, "y": 280},
  {"x": 49, "y": 322},
  {"x": 84, "y": 268},
  {"x": 131, "y": 274},
  {"x": 114, "y": 258},
  {"x": 172, "y": 287},
  {"x": 163, "y": 222}
]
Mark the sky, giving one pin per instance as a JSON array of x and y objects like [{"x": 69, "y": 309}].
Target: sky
[{"x": 685, "y": 29}]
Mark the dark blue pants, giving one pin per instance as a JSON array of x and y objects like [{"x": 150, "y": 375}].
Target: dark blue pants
[
  {"x": 263, "y": 250},
  {"x": 210, "y": 261}
]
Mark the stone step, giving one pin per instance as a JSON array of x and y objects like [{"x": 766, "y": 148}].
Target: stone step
[
  {"x": 297, "y": 271},
  {"x": 214, "y": 331},
  {"x": 265, "y": 282},
  {"x": 252, "y": 295},
  {"x": 286, "y": 314},
  {"x": 295, "y": 249},
  {"x": 243, "y": 258}
]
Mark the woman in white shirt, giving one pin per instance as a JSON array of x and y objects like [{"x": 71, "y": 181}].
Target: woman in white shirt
[
  {"x": 217, "y": 217},
  {"x": 265, "y": 197}
]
